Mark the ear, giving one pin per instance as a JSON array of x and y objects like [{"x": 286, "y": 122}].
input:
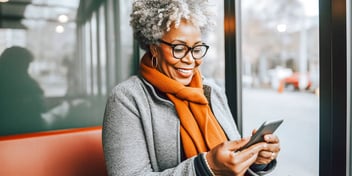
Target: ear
[{"x": 154, "y": 50}]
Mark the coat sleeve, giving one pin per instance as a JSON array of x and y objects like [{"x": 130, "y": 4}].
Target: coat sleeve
[
  {"x": 124, "y": 142},
  {"x": 268, "y": 169}
]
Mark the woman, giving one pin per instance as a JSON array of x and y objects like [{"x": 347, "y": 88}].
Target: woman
[{"x": 169, "y": 120}]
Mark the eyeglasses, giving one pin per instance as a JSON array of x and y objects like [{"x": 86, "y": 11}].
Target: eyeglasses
[{"x": 179, "y": 51}]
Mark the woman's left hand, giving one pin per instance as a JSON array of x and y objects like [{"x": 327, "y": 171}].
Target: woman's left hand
[{"x": 272, "y": 151}]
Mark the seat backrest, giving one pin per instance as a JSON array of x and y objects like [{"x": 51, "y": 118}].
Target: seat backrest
[{"x": 72, "y": 152}]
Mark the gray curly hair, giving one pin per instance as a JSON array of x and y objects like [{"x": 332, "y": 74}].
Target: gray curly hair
[{"x": 150, "y": 19}]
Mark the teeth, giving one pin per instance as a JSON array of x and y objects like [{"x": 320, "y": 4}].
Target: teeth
[{"x": 184, "y": 71}]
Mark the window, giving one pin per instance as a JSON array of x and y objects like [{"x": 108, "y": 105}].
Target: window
[
  {"x": 214, "y": 62},
  {"x": 279, "y": 59},
  {"x": 39, "y": 39},
  {"x": 73, "y": 67}
]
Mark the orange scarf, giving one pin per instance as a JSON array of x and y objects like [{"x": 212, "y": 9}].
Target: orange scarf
[{"x": 200, "y": 131}]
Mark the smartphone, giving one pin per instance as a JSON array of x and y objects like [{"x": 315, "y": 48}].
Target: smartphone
[{"x": 268, "y": 127}]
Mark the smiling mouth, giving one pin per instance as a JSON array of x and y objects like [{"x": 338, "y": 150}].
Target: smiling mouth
[{"x": 185, "y": 71}]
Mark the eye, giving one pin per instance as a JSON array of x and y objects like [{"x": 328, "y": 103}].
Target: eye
[
  {"x": 180, "y": 48},
  {"x": 198, "y": 49}
]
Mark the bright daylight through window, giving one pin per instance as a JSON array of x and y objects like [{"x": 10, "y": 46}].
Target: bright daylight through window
[{"x": 280, "y": 67}]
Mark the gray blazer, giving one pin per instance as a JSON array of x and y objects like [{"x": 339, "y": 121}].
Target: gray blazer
[{"x": 141, "y": 130}]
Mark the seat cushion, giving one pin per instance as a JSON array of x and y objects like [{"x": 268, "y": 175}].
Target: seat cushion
[{"x": 72, "y": 152}]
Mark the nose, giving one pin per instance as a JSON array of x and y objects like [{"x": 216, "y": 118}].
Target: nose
[{"x": 188, "y": 58}]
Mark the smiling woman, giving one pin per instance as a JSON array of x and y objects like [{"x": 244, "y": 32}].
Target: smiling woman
[
  {"x": 182, "y": 67},
  {"x": 170, "y": 119},
  {"x": 83, "y": 49}
]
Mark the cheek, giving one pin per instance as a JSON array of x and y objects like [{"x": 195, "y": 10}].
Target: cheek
[
  {"x": 168, "y": 59},
  {"x": 198, "y": 62},
  {"x": 165, "y": 63}
]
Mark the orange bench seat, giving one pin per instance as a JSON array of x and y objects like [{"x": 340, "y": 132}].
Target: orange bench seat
[{"x": 71, "y": 152}]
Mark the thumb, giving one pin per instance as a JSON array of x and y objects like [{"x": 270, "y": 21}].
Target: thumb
[
  {"x": 237, "y": 144},
  {"x": 254, "y": 131}
]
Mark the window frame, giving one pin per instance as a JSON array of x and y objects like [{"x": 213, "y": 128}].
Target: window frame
[
  {"x": 233, "y": 84},
  {"x": 333, "y": 87},
  {"x": 349, "y": 80}
]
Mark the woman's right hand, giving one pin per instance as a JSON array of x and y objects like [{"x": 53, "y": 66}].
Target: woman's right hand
[{"x": 224, "y": 160}]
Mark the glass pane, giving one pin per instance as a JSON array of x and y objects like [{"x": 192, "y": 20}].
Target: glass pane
[
  {"x": 213, "y": 66},
  {"x": 44, "y": 85},
  {"x": 102, "y": 50},
  {"x": 280, "y": 74},
  {"x": 93, "y": 50},
  {"x": 125, "y": 41},
  {"x": 87, "y": 58}
]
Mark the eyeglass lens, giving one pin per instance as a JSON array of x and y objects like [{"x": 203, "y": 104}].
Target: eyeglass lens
[
  {"x": 197, "y": 52},
  {"x": 181, "y": 50}
]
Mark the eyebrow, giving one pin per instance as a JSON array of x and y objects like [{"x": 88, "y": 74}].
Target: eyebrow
[{"x": 183, "y": 42}]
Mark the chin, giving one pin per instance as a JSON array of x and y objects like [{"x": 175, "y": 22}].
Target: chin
[{"x": 184, "y": 82}]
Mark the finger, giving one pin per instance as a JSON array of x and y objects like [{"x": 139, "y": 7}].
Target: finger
[
  {"x": 261, "y": 160},
  {"x": 273, "y": 156},
  {"x": 251, "y": 151},
  {"x": 271, "y": 138},
  {"x": 266, "y": 154},
  {"x": 235, "y": 145},
  {"x": 254, "y": 131},
  {"x": 273, "y": 148},
  {"x": 265, "y": 157},
  {"x": 245, "y": 164}
]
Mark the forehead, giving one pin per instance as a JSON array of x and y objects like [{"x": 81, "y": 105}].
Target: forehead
[{"x": 185, "y": 31}]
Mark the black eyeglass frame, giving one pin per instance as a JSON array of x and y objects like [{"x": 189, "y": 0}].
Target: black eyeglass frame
[{"x": 188, "y": 49}]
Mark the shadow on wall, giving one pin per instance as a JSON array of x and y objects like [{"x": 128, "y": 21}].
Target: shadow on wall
[
  {"x": 21, "y": 98},
  {"x": 24, "y": 107}
]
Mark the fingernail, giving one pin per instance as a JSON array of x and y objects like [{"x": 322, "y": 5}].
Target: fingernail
[{"x": 267, "y": 137}]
